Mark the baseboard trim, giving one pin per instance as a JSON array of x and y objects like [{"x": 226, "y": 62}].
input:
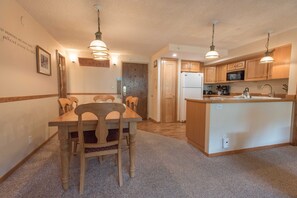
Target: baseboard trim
[
  {"x": 197, "y": 146},
  {"x": 151, "y": 119},
  {"x": 247, "y": 150},
  {"x": 6, "y": 175}
]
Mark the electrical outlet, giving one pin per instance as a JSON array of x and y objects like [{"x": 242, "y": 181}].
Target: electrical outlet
[
  {"x": 29, "y": 139},
  {"x": 226, "y": 142}
]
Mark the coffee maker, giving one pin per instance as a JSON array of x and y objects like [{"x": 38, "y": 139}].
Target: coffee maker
[{"x": 225, "y": 90}]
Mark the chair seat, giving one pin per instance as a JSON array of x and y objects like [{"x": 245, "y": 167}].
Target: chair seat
[
  {"x": 126, "y": 130},
  {"x": 90, "y": 137},
  {"x": 74, "y": 135}
]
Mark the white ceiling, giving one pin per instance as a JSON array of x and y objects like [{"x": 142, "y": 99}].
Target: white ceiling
[{"x": 143, "y": 27}]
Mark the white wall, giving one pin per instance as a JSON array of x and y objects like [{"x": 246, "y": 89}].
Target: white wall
[
  {"x": 249, "y": 125},
  {"x": 19, "y": 35}
]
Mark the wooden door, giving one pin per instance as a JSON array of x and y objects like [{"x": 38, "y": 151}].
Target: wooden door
[
  {"x": 168, "y": 90},
  {"x": 255, "y": 70},
  {"x": 135, "y": 81},
  {"x": 62, "y": 84}
]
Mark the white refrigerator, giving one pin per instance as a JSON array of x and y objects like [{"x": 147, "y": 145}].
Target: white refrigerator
[{"x": 191, "y": 87}]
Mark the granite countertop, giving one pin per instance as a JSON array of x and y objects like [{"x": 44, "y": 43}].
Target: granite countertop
[{"x": 239, "y": 99}]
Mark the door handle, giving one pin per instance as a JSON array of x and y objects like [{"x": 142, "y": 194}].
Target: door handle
[{"x": 124, "y": 90}]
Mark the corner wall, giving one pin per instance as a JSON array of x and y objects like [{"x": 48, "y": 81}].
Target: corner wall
[{"x": 33, "y": 96}]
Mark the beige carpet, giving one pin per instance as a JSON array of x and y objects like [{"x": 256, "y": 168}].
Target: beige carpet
[{"x": 166, "y": 167}]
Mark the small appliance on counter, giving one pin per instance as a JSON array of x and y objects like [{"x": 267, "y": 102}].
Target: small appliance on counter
[{"x": 225, "y": 90}]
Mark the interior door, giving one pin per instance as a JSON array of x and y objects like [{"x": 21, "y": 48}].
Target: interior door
[
  {"x": 168, "y": 90},
  {"x": 62, "y": 82},
  {"x": 135, "y": 83}
]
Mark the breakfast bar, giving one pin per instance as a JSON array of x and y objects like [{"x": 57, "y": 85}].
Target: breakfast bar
[{"x": 225, "y": 125}]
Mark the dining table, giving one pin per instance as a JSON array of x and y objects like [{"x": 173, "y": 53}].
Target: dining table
[{"x": 68, "y": 123}]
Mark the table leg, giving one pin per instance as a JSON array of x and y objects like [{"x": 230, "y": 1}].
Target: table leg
[
  {"x": 64, "y": 154},
  {"x": 132, "y": 147}
]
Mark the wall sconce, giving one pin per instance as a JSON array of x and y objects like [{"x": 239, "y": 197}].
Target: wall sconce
[
  {"x": 114, "y": 59},
  {"x": 72, "y": 58}
]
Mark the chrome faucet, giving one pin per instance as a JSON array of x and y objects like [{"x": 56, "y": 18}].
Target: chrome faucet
[
  {"x": 246, "y": 93},
  {"x": 271, "y": 94}
]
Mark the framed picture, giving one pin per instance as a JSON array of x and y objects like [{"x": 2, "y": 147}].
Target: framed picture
[
  {"x": 43, "y": 59},
  {"x": 155, "y": 63}
]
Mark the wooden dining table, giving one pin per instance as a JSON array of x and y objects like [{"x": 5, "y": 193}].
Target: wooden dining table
[{"x": 68, "y": 122}]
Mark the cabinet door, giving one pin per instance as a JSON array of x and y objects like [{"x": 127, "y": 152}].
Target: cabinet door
[
  {"x": 185, "y": 66},
  {"x": 190, "y": 66},
  {"x": 221, "y": 73},
  {"x": 209, "y": 74},
  {"x": 255, "y": 71},
  {"x": 281, "y": 65},
  {"x": 236, "y": 66},
  {"x": 195, "y": 66}
]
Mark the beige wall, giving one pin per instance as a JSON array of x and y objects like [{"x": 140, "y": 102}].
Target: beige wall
[
  {"x": 96, "y": 79},
  {"x": 20, "y": 34}
]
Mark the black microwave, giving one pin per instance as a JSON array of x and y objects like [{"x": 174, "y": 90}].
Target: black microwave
[{"x": 235, "y": 75}]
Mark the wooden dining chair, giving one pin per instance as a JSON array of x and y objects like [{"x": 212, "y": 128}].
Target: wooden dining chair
[
  {"x": 66, "y": 105},
  {"x": 102, "y": 141},
  {"x": 103, "y": 98},
  {"x": 132, "y": 103},
  {"x": 128, "y": 100},
  {"x": 73, "y": 100}
]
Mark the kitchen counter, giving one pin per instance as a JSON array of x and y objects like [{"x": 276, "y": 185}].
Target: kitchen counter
[
  {"x": 248, "y": 124},
  {"x": 234, "y": 99}
]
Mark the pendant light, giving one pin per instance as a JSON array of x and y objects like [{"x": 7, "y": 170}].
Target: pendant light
[
  {"x": 267, "y": 56},
  {"x": 212, "y": 53},
  {"x": 98, "y": 47}
]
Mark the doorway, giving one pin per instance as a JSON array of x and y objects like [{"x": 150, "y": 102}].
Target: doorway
[
  {"x": 62, "y": 82},
  {"x": 168, "y": 90},
  {"x": 135, "y": 83}
]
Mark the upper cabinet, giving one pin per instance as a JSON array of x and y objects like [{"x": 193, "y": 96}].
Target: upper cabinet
[
  {"x": 281, "y": 66},
  {"x": 210, "y": 75},
  {"x": 221, "y": 73},
  {"x": 191, "y": 66},
  {"x": 255, "y": 70},
  {"x": 236, "y": 66}
]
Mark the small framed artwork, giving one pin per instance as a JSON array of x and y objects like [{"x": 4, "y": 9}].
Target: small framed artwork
[
  {"x": 43, "y": 59},
  {"x": 155, "y": 63}
]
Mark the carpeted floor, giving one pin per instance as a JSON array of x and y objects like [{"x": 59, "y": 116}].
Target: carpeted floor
[{"x": 165, "y": 167}]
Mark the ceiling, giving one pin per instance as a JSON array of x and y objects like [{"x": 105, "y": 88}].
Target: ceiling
[{"x": 143, "y": 27}]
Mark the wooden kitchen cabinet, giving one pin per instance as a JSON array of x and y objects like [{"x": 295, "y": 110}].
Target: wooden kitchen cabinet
[
  {"x": 255, "y": 70},
  {"x": 236, "y": 66},
  {"x": 281, "y": 66},
  {"x": 190, "y": 66},
  {"x": 210, "y": 75},
  {"x": 221, "y": 73}
]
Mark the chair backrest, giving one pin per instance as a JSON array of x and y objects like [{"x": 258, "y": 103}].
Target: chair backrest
[
  {"x": 74, "y": 100},
  {"x": 100, "y": 110},
  {"x": 65, "y": 104},
  {"x": 128, "y": 100},
  {"x": 133, "y": 103},
  {"x": 103, "y": 98}
]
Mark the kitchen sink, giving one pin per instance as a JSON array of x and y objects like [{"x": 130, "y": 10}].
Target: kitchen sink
[{"x": 242, "y": 98}]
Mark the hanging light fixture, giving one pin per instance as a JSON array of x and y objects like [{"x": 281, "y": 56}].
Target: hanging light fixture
[
  {"x": 267, "y": 56},
  {"x": 98, "y": 47},
  {"x": 212, "y": 53}
]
